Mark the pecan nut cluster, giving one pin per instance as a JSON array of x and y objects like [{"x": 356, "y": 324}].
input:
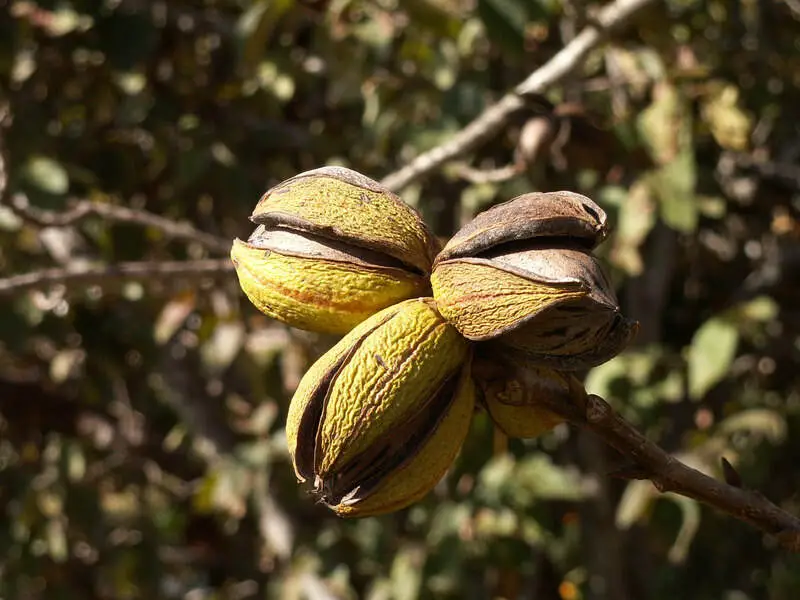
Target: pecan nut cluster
[{"x": 501, "y": 316}]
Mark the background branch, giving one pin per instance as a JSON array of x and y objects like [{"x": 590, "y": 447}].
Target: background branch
[
  {"x": 83, "y": 209},
  {"x": 496, "y": 175},
  {"x": 497, "y": 115},
  {"x": 80, "y": 273},
  {"x": 163, "y": 271}
]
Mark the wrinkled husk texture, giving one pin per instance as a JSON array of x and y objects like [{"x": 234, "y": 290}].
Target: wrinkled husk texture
[
  {"x": 523, "y": 275},
  {"x": 332, "y": 248},
  {"x": 378, "y": 419}
]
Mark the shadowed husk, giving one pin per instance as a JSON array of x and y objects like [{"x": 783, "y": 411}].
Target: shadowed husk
[
  {"x": 522, "y": 276},
  {"x": 516, "y": 394}
]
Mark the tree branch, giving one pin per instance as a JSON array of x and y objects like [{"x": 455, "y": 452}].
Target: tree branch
[
  {"x": 794, "y": 6},
  {"x": 496, "y": 175},
  {"x": 82, "y": 209},
  {"x": 670, "y": 475},
  {"x": 497, "y": 115},
  {"x": 80, "y": 274}
]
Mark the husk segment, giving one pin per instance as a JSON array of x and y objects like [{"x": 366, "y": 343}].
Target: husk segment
[
  {"x": 553, "y": 302},
  {"x": 522, "y": 275},
  {"x": 515, "y": 394},
  {"x": 340, "y": 204},
  {"x": 419, "y": 473},
  {"x": 571, "y": 337},
  {"x": 566, "y": 215},
  {"x": 332, "y": 248},
  {"x": 365, "y": 415},
  {"x": 308, "y": 401},
  {"x": 483, "y": 301},
  {"x": 320, "y": 287}
]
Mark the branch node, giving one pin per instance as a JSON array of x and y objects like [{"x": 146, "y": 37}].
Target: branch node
[{"x": 597, "y": 409}]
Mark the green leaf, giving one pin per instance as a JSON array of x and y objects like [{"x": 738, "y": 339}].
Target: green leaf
[
  {"x": 637, "y": 215},
  {"x": 690, "y": 523},
  {"x": 406, "y": 576},
  {"x": 57, "y": 545},
  {"x": 47, "y": 175},
  {"x": 440, "y": 18},
  {"x": 764, "y": 422},
  {"x": 666, "y": 128},
  {"x": 710, "y": 355},
  {"x": 761, "y": 310},
  {"x": 173, "y": 316},
  {"x": 634, "y": 505},
  {"x": 674, "y": 185},
  {"x": 507, "y": 482},
  {"x": 506, "y": 20},
  {"x": 224, "y": 345},
  {"x": 729, "y": 124}
]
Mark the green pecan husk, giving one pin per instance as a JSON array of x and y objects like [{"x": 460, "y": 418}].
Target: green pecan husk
[
  {"x": 333, "y": 247},
  {"x": 377, "y": 421}
]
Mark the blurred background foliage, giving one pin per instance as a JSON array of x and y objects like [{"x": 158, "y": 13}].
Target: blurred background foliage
[{"x": 142, "y": 451}]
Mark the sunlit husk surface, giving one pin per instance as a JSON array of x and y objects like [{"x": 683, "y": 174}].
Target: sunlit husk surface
[{"x": 376, "y": 421}]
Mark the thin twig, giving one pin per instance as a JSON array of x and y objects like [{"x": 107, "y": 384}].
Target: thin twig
[
  {"x": 794, "y": 6},
  {"x": 497, "y": 175},
  {"x": 767, "y": 169},
  {"x": 83, "y": 274},
  {"x": 82, "y": 209},
  {"x": 497, "y": 115},
  {"x": 668, "y": 474},
  {"x": 87, "y": 275}
]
